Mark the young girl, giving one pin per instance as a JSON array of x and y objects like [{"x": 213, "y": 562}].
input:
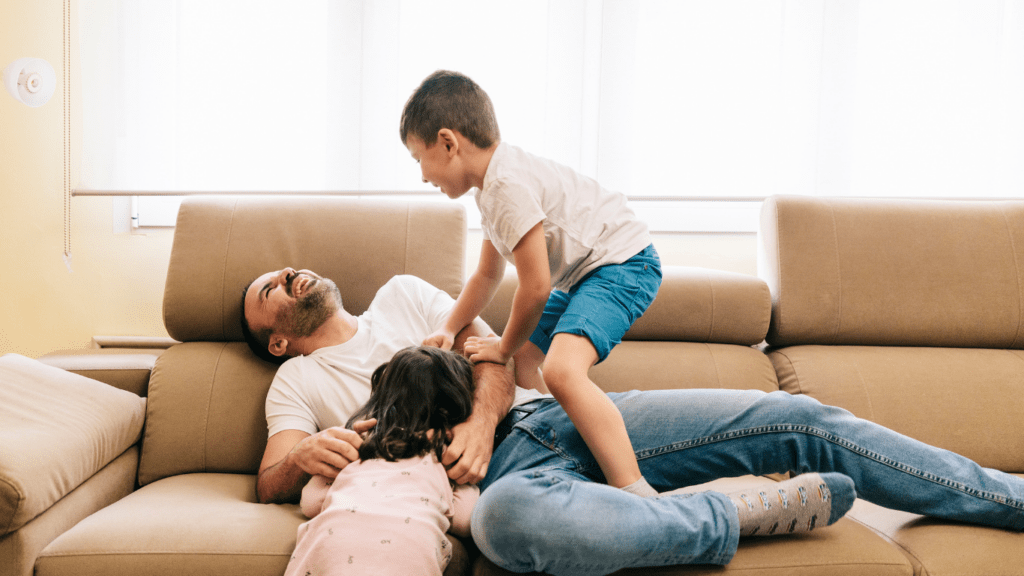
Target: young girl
[{"x": 387, "y": 513}]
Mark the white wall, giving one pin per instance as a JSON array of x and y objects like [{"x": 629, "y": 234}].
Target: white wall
[{"x": 116, "y": 287}]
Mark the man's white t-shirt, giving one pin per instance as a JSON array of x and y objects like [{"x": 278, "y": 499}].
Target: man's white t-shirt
[
  {"x": 585, "y": 226},
  {"x": 322, "y": 390}
]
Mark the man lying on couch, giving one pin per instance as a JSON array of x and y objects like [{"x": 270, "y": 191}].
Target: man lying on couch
[{"x": 525, "y": 519}]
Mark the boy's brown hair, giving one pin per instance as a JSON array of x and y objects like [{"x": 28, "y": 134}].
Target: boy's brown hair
[{"x": 450, "y": 100}]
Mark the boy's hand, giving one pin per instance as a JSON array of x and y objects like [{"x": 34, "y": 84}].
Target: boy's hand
[
  {"x": 442, "y": 339},
  {"x": 487, "y": 349}
]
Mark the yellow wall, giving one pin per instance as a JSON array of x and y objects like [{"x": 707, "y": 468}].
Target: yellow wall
[
  {"x": 116, "y": 287},
  {"x": 117, "y": 284}
]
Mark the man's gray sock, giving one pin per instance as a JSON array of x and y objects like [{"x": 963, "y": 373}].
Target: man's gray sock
[
  {"x": 799, "y": 504},
  {"x": 640, "y": 488}
]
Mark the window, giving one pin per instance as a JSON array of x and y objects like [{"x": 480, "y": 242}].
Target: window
[{"x": 695, "y": 109}]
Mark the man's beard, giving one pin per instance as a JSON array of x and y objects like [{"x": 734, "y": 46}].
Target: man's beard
[{"x": 310, "y": 312}]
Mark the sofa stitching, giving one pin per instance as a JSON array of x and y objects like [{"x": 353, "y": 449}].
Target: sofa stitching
[
  {"x": 902, "y": 548},
  {"x": 839, "y": 282},
  {"x": 144, "y": 454},
  {"x": 224, "y": 272},
  {"x": 209, "y": 403},
  {"x": 1016, "y": 269},
  {"x": 792, "y": 370},
  {"x": 714, "y": 363}
]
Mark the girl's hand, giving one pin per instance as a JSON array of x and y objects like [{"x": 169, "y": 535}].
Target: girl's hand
[
  {"x": 442, "y": 339},
  {"x": 487, "y": 349}
]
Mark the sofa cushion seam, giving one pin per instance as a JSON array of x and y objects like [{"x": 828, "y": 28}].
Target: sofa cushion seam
[
  {"x": 1017, "y": 271},
  {"x": 839, "y": 273},
  {"x": 209, "y": 403},
  {"x": 904, "y": 549},
  {"x": 224, "y": 272}
]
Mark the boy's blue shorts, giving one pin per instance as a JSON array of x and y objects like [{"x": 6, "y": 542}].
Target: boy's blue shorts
[{"x": 604, "y": 304}]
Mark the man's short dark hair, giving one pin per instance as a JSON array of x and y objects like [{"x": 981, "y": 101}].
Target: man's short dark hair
[
  {"x": 450, "y": 100},
  {"x": 258, "y": 340}
]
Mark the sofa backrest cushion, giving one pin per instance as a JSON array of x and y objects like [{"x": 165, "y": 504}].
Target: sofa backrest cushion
[
  {"x": 693, "y": 305},
  {"x": 221, "y": 243},
  {"x": 207, "y": 394},
  {"x": 205, "y": 411},
  {"x": 894, "y": 272}
]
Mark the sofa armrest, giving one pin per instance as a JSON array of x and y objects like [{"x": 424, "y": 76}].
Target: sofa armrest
[
  {"x": 123, "y": 368},
  {"x": 57, "y": 429}
]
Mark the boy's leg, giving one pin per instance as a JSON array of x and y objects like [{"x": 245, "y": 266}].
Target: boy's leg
[
  {"x": 595, "y": 416},
  {"x": 527, "y": 365}
]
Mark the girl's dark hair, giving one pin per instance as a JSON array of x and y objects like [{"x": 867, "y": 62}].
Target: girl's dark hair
[{"x": 421, "y": 389}]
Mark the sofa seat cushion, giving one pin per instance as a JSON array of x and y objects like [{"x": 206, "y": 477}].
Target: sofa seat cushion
[
  {"x": 186, "y": 524},
  {"x": 962, "y": 399},
  {"x": 846, "y": 548},
  {"x": 57, "y": 429},
  {"x": 941, "y": 547},
  {"x": 116, "y": 480}
]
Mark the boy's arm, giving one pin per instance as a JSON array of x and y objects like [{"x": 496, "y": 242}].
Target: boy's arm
[
  {"x": 477, "y": 293},
  {"x": 469, "y": 452},
  {"x": 532, "y": 268}
]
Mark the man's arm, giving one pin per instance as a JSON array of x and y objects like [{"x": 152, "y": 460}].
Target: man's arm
[
  {"x": 293, "y": 456},
  {"x": 469, "y": 453}
]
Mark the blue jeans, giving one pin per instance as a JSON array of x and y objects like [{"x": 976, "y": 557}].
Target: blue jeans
[{"x": 544, "y": 506}]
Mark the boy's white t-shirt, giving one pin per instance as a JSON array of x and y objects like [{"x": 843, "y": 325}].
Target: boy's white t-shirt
[
  {"x": 322, "y": 390},
  {"x": 585, "y": 225}
]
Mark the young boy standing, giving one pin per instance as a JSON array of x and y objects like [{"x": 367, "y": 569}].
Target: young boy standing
[{"x": 561, "y": 230}]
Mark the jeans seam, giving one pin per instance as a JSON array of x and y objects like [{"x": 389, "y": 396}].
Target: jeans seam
[{"x": 842, "y": 443}]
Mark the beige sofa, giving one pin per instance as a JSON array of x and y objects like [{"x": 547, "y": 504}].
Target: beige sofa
[{"x": 181, "y": 500}]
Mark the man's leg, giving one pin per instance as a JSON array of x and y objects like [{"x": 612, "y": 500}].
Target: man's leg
[
  {"x": 722, "y": 433},
  {"x": 558, "y": 522},
  {"x": 687, "y": 437}
]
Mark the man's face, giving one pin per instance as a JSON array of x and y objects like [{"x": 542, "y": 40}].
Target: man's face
[
  {"x": 292, "y": 303},
  {"x": 438, "y": 167}
]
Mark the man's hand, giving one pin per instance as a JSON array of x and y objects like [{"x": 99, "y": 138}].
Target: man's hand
[
  {"x": 485, "y": 349},
  {"x": 469, "y": 452},
  {"x": 329, "y": 451},
  {"x": 442, "y": 339}
]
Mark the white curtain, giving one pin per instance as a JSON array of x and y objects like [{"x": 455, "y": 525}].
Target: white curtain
[{"x": 696, "y": 99}]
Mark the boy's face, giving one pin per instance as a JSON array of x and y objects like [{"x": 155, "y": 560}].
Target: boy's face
[{"x": 439, "y": 165}]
